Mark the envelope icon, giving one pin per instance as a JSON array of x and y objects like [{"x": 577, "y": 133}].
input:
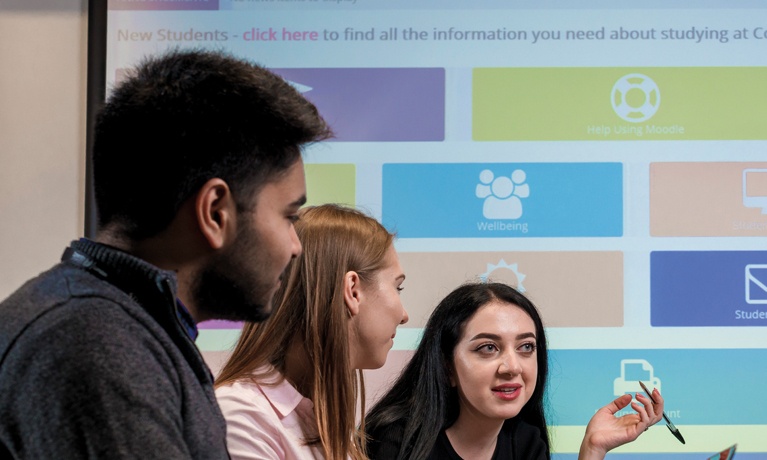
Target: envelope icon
[{"x": 756, "y": 283}]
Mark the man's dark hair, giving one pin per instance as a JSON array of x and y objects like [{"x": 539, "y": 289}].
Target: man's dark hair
[{"x": 182, "y": 118}]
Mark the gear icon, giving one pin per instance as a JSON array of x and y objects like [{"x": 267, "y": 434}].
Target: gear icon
[{"x": 502, "y": 264}]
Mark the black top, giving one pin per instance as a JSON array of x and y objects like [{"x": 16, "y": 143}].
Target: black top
[
  {"x": 444, "y": 450},
  {"x": 517, "y": 440}
]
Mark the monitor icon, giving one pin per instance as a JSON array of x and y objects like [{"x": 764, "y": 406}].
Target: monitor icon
[
  {"x": 756, "y": 284},
  {"x": 755, "y": 188}
]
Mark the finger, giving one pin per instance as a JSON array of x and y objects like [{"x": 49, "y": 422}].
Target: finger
[
  {"x": 660, "y": 404},
  {"x": 618, "y": 404},
  {"x": 643, "y": 423},
  {"x": 654, "y": 406},
  {"x": 642, "y": 411},
  {"x": 648, "y": 404}
]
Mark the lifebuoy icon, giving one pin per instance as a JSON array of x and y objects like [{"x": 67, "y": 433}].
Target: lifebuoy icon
[{"x": 635, "y": 97}]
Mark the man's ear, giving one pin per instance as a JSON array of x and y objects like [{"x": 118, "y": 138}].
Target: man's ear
[
  {"x": 216, "y": 213},
  {"x": 352, "y": 293}
]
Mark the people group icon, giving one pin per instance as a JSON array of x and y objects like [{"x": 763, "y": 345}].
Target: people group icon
[{"x": 502, "y": 194}]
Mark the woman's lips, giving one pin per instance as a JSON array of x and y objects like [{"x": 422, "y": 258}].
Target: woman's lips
[{"x": 507, "y": 392}]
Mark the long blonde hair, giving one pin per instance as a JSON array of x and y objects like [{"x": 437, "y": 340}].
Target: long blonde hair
[{"x": 310, "y": 309}]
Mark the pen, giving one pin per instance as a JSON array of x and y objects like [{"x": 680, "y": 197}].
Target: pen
[{"x": 670, "y": 425}]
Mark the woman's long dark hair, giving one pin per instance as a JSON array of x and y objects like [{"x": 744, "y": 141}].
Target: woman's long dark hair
[{"x": 422, "y": 399}]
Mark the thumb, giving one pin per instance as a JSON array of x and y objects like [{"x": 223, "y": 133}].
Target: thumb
[{"x": 619, "y": 403}]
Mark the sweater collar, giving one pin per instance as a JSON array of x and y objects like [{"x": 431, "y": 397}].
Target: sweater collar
[
  {"x": 135, "y": 276},
  {"x": 110, "y": 262}
]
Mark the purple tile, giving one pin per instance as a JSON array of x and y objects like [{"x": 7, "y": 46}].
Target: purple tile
[
  {"x": 220, "y": 324},
  {"x": 708, "y": 288},
  {"x": 376, "y": 104},
  {"x": 161, "y": 5}
]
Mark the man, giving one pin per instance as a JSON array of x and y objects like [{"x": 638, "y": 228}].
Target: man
[{"x": 198, "y": 178}]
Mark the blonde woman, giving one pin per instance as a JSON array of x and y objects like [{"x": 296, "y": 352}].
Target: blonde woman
[{"x": 291, "y": 387}]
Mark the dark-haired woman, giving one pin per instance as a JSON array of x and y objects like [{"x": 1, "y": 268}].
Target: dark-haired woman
[{"x": 474, "y": 388}]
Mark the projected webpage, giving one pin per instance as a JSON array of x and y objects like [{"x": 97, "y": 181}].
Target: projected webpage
[{"x": 611, "y": 162}]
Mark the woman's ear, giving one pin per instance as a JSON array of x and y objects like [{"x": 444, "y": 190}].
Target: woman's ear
[{"x": 352, "y": 293}]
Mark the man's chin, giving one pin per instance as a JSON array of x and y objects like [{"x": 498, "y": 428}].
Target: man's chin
[
  {"x": 252, "y": 312},
  {"x": 255, "y": 315}
]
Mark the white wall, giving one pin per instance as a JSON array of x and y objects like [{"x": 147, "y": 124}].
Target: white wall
[{"x": 43, "y": 54}]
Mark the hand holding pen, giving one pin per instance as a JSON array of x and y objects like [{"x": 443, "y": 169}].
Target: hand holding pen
[
  {"x": 606, "y": 431},
  {"x": 670, "y": 425}
]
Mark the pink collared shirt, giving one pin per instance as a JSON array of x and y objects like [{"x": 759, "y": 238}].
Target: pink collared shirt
[{"x": 267, "y": 421}]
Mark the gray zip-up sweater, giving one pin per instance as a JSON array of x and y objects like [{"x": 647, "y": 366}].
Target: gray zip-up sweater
[{"x": 95, "y": 364}]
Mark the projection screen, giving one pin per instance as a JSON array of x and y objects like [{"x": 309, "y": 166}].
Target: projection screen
[{"x": 608, "y": 158}]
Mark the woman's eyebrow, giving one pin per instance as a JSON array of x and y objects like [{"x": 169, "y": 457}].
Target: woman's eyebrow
[{"x": 488, "y": 335}]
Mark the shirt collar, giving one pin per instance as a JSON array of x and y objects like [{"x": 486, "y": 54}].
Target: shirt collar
[
  {"x": 190, "y": 326},
  {"x": 282, "y": 395}
]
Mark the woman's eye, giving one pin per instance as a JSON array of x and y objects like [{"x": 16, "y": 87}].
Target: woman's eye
[
  {"x": 487, "y": 348},
  {"x": 400, "y": 289},
  {"x": 527, "y": 347}
]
